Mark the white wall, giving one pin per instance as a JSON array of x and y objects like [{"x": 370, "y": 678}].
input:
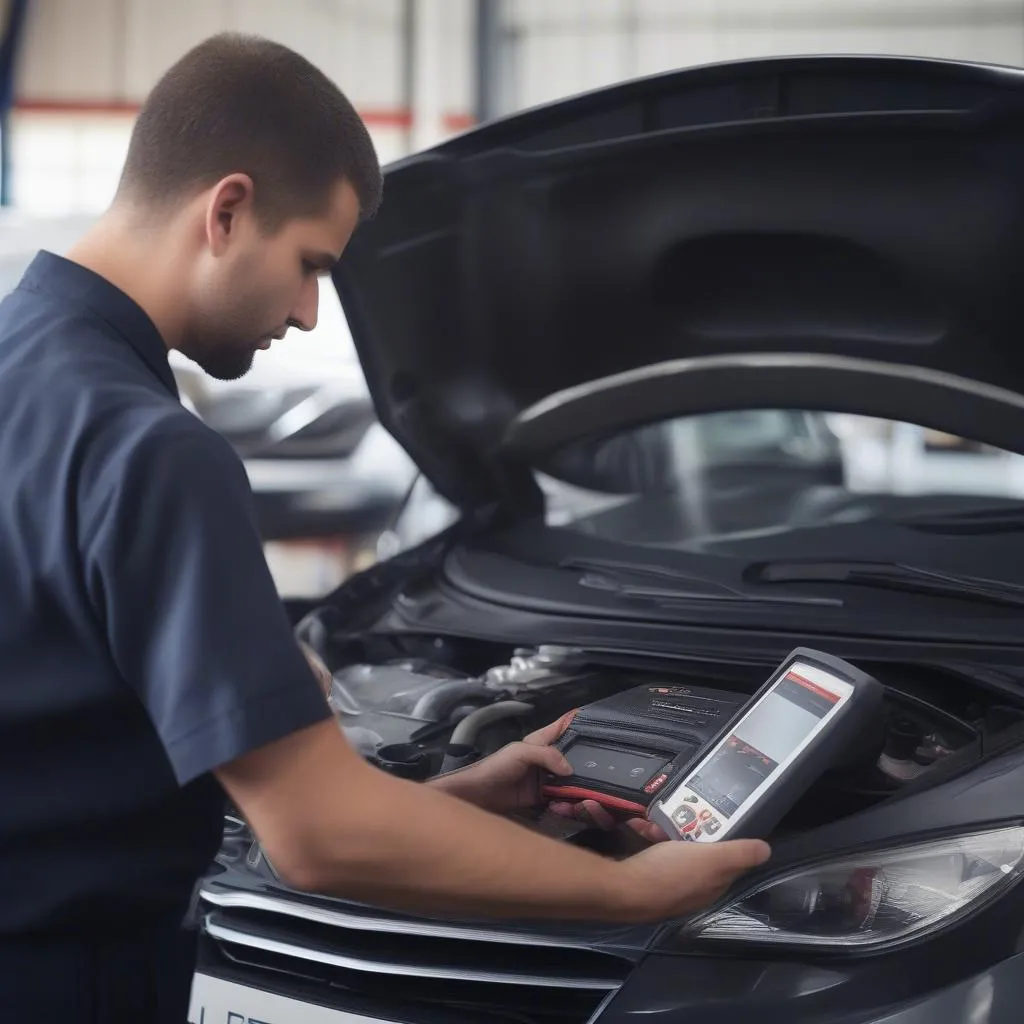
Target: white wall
[
  {"x": 114, "y": 50},
  {"x": 574, "y": 45}
]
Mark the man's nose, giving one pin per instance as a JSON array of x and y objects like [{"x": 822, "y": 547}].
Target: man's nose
[{"x": 306, "y": 310}]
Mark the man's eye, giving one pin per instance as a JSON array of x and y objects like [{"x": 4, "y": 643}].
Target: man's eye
[{"x": 309, "y": 268}]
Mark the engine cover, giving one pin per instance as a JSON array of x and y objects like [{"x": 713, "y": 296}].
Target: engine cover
[{"x": 625, "y": 748}]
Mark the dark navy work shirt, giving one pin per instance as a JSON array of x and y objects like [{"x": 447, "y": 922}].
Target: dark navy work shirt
[{"x": 142, "y": 640}]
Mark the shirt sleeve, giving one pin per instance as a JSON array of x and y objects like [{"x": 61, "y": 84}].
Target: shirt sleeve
[{"x": 175, "y": 569}]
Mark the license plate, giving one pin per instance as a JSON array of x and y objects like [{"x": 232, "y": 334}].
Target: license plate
[{"x": 223, "y": 1002}]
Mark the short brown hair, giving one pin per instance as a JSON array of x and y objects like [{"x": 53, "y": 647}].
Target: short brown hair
[{"x": 240, "y": 103}]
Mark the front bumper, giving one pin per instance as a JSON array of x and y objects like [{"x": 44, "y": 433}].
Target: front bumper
[{"x": 791, "y": 996}]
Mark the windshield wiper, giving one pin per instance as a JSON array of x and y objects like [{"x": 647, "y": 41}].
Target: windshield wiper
[
  {"x": 977, "y": 522},
  {"x": 888, "y": 576},
  {"x": 611, "y": 575}
]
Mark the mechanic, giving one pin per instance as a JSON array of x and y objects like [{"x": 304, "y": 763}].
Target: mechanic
[{"x": 147, "y": 667}]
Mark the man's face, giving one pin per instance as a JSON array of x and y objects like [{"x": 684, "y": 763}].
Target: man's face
[{"x": 259, "y": 285}]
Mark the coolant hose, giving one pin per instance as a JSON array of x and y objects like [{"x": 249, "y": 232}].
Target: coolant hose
[
  {"x": 462, "y": 749},
  {"x": 467, "y": 731},
  {"x": 441, "y": 700}
]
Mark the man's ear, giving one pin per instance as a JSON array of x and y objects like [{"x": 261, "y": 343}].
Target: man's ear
[{"x": 229, "y": 198}]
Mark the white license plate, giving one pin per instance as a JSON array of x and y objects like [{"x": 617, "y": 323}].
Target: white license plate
[{"x": 223, "y": 1002}]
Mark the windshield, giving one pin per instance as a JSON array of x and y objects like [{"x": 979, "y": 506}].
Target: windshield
[
  {"x": 704, "y": 477},
  {"x": 730, "y": 475}
]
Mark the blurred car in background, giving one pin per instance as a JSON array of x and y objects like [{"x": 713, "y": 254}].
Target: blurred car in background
[{"x": 320, "y": 464}]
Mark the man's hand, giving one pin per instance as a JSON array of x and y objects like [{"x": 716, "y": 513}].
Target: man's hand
[
  {"x": 674, "y": 879},
  {"x": 512, "y": 779}
]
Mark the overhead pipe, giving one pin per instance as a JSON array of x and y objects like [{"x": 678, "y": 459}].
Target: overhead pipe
[
  {"x": 407, "y": 66},
  {"x": 487, "y": 65},
  {"x": 427, "y": 72}
]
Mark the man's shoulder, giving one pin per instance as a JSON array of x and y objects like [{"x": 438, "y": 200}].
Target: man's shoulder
[
  {"x": 158, "y": 461},
  {"x": 97, "y": 389},
  {"x": 38, "y": 319},
  {"x": 46, "y": 341}
]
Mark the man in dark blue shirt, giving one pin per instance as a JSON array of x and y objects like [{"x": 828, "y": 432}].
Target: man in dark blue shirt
[{"x": 146, "y": 662}]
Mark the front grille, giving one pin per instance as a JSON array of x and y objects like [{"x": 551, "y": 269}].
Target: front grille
[{"x": 500, "y": 976}]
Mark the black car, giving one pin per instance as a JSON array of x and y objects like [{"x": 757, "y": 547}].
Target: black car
[{"x": 813, "y": 235}]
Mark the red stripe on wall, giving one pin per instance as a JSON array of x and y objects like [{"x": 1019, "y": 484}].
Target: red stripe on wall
[{"x": 458, "y": 122}]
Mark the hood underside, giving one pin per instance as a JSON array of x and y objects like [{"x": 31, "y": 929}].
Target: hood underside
[{"x": 843, "y": 234}]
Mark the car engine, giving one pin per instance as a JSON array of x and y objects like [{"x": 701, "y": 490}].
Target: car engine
[{"x": 416, "y": 717}]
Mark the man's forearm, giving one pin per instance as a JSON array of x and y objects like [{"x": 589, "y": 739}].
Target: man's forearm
[
  {"x": 458, "y": 783},
  {"x": 417, "y": 848}
]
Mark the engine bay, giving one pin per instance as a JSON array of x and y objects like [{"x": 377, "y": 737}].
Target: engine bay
[{"x": 439, "y": 707}]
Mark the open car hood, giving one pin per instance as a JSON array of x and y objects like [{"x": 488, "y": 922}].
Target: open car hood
[{"x": 826, "y": 233}]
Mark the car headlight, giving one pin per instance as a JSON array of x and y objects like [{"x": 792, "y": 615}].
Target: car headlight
[{"x": 875, "y": 899}]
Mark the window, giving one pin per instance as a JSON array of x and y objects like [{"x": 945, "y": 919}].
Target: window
[{"x": 66, "y": 163}]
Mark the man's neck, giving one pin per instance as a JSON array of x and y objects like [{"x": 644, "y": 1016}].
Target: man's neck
[{"x": 139, "y": 260}]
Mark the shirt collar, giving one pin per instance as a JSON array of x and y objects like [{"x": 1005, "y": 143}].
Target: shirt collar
[{"x": 70, "y": 281}]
